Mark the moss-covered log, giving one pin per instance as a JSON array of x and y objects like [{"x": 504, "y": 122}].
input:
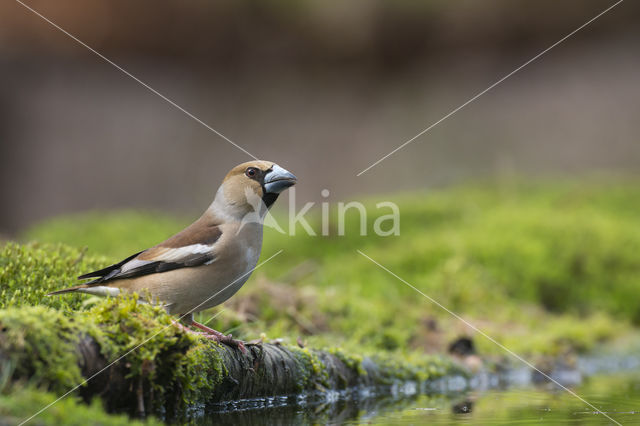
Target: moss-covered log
[{"x": 165, "y": 370}]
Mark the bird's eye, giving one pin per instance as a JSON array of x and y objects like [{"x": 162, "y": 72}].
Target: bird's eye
[{"x": 251, "y": 172}]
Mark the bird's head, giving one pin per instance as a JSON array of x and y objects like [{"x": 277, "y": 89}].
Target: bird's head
[{"x": 254, "y": 180}]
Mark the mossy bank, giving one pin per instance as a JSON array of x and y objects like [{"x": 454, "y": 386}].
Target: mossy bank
[{"x": 131, "y": 355}]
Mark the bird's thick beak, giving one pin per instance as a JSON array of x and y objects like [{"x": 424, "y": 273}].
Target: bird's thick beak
[{"x": 278, "y": 179}]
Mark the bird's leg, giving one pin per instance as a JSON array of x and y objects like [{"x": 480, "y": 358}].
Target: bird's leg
[
  {"x": 219, "y": 337},
  {"x": 209, "y": 333},
  {"x": 207, "y": 330}
]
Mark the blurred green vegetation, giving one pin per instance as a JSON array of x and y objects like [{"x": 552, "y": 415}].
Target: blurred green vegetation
[
  {"x": 23, "y": 402},
  {"x": 110, "y": 234},
  {"x": 545, "y": 267}
]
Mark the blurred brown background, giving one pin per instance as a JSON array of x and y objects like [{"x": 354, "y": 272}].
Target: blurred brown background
[{"x": 324, "y": 88}]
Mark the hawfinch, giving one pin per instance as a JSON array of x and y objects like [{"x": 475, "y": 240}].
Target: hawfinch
[{"x": 207, "y": 262}]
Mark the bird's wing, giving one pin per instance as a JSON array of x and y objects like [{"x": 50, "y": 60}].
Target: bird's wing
[{"x": 194, "y": 246}]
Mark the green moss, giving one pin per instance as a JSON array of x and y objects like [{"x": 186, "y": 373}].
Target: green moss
[
  {"x": 313, "y": 371},
  {"x": 169, "y": 360},
  {"x": 352, "y": 361},
  {"x": 417, "y": 368},
  {"x": 40, "y": 344},
  {"x": 198, "y": 373},
  {"x": 28, "y": 272},
  {"x": 390, "y": 368},
  {"x": 21, "y": 403}
]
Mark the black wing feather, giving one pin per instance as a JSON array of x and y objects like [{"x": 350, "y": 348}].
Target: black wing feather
[
  {"x": 106, "y": 271},
  {"x": 114, "y": 272}
]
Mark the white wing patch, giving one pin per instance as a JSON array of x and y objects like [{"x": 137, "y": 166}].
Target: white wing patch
[
  {"x": 133, "y": 264},
  {"x": 179, "y": 253},
  {"x": 172, "y": 255}
]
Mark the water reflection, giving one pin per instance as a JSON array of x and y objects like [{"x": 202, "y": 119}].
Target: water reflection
[{"x": 617, "y": 394}]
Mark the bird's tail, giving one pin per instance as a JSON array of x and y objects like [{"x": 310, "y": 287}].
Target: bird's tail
[{"x": 67, "y": 290}]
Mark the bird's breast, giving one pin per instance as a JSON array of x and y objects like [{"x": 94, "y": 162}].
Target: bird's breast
[{"x": 248, "y": 242}]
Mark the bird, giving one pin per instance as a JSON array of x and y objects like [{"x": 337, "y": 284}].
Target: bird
[{"x": 207, "y": 262}]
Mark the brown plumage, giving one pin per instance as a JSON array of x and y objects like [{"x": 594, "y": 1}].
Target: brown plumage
[{"x": 207, "y": 262}]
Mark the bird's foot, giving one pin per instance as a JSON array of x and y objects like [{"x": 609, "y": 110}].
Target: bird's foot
[
  {"x": 227, "y": 340},
  {"x": 215, "y": 335}
]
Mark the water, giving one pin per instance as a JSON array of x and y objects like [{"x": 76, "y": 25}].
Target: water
[{"x": 615, "y": 393}]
